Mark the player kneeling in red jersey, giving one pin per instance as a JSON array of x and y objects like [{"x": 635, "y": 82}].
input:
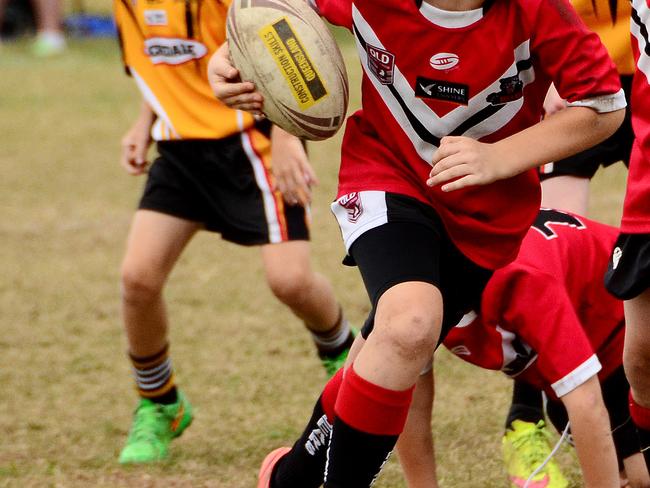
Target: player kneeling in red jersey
[
  {"x": 628, "y": 276},
  {"x": 436, "y": 94},
  {"x": 547, "y": 320}
]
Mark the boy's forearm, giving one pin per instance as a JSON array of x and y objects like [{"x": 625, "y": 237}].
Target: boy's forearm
[
  {"x": 146, "y": 113},
  {"x": 591, "y": 433},
  {"x": 563, "y": 134}
]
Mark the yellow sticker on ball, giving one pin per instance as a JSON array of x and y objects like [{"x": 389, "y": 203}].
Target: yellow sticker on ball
[{"x": 282, "y": 42}]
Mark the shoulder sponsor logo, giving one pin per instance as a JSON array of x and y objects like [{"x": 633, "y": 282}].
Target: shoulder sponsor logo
[
  {"x": 381, "y": 63},
  {"x": 442, "y": 90},
  {"x": 155, "y": 17},
  {"x": 444, "y": 61},
  {"x": 352, "y": 203},
  {"x": 510, "y": 89},
  {"x": 167, "y": 50}
]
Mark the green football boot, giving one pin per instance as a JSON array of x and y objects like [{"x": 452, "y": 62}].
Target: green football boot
[
  {"x": 333, "y": 364},
  {"x": 154, "y": 427},
  {"x": 525, "y": 447}
]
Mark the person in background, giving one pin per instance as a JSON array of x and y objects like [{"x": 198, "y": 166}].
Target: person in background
[
  {"x": 217, "y": 170},
  {"x": 50, "y": 39}
]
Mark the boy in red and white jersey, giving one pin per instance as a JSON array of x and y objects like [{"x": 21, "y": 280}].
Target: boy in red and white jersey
[
  {"x": 628, "y": 276},
  {"x": 426, "y": 240},
  {"x": 547, "y": 320}
]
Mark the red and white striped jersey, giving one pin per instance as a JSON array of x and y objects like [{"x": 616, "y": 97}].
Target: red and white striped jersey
[
  {"x": 483, "y": 73},
  {"x": 546, "y": 318},
  {"x": 636, "y": 212}
]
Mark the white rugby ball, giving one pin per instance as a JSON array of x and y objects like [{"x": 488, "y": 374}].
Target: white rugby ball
[{"x": 285, "y": 48}]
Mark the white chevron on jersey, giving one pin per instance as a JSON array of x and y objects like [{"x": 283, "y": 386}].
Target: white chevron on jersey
[
  {"x": 640, "y": 7},
  {"x": 441, "y": 126}
]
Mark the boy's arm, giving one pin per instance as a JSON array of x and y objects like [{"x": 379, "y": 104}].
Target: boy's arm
[
  {"x": 470, "y": 162},
  {"x": 592, "y": 436},
  {"x": 136, "y": 142},
  {"x": 415, "y": 444},
  {"x": 293, "y": 175}
]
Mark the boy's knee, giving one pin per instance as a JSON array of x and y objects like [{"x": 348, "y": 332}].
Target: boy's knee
[
  {"x": 412, "y": 334},
  {"x": 291, "y": 286},
  {"x": 139, "y": 284}
]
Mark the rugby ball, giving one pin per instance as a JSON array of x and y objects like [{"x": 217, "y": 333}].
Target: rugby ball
[{"x": 285, "y": 48}]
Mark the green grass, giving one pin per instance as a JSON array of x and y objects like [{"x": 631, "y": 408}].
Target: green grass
[{"x": 66, "y": 394}]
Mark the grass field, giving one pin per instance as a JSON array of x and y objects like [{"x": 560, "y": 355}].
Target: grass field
[{"x": 66, "y": 394}]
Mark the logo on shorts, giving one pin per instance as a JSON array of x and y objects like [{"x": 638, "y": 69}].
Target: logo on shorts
[
  {"x": 381, "y": 63},
  {"x": 352, "y": 203},
  {"x": 616, "y": 257}
]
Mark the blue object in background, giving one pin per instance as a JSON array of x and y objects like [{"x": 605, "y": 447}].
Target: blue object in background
[{"x": 87, "y": 25}]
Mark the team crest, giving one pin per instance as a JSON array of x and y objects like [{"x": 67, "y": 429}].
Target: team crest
[
  {"x": 352, "y": 204},
  {"x": 511, "y": 88},
  {"x": 381, "y": 63}
]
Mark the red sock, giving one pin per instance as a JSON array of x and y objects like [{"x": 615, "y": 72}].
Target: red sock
[
  {"x": 330, "y": 393},
  {"x": 371, "y": 408},
  {"x": 640, "y": 415}
]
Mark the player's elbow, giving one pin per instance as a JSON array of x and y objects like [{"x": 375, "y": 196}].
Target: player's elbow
[{"x": 605, "y": 124}]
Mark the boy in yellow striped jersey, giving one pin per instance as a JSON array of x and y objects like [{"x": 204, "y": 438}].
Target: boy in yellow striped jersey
[{"x": 213, "y": 172}]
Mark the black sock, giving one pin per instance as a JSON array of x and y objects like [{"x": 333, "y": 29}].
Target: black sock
[
  {"x": 356, "y": 457},
  {"x": 527, "y": 404},
  {"x": 304, "y": 466}
]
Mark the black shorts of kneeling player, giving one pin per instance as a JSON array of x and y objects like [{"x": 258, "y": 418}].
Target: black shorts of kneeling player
[
  {"x": 628, "y": 271},
  {"x": 615, "y": 395},
  {"x": 615, "y": 148},
  {"x": 224, "y": 186},
  {"x": 414, "y": 246}
]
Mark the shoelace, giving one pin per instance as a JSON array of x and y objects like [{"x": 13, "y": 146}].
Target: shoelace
[
  {"x": 146, "y": 423},
  {"x": 565, "y": 434},
  {"x": 532, "y": 445}
]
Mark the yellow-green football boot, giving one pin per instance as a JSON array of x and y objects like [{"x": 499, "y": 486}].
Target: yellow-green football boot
[{"x": 525, "y": 446}]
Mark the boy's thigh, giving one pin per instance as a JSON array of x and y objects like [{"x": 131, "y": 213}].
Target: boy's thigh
[{"x": 413, "y": 246}]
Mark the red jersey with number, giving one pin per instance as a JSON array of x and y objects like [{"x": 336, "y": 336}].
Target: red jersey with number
[
  {"x": 546, "y": 318},
  {"x": 636, "y": 212},
  {"x": 428, "y": 73}
]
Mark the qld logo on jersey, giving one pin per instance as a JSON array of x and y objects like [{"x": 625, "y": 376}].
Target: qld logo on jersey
[
  {"x": 167, "y": 50},
  {"x": 444, "y": 61},
  {"x": 381, "y": 63},
  {"x": 510, "y": 89},
  {"x": 352, "y": 204}
]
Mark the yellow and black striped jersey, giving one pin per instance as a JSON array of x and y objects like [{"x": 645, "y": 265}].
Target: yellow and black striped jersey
[
  {"x": 614, "y": 33},
  {"x": 166, "y": 46}
]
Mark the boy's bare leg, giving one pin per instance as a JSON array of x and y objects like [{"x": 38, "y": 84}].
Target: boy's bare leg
[
  {"x": 310, "y": 296},
  {"x": 568, "y": 193},
  {"x": 154, "y": 244},
  {"x": 415, "y": 444}
]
